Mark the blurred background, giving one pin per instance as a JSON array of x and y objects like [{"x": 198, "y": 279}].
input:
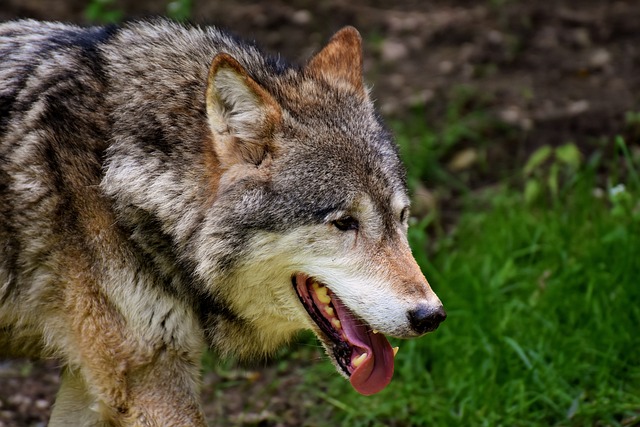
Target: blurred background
[{"x": 519, "y": 122}]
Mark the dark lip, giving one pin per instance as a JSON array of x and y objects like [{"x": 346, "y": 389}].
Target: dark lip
[{"x": 341, "y": 349}]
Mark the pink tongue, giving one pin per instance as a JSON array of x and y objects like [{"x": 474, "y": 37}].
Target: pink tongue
[{"x": 375, "y": 372}]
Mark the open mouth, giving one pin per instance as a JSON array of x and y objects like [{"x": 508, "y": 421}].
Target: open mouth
[{"x": 362, "y": 353}]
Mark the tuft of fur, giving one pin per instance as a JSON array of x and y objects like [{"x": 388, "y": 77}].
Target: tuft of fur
[{"x": 160, "y": 185}]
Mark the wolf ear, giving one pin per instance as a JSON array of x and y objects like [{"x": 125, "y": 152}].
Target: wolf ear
[
  {"x": 242, "y": 115},
  {"x": 340, "y": 61}
]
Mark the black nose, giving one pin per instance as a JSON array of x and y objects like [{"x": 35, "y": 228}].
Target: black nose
[{"x": 426, "y": 319}]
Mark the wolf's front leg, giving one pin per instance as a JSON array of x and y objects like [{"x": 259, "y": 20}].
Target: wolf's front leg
[
  {"x": 164, "y": 394},
  {"x": 156, "y": 397},
  {"x": 75, "y": 406},
  {"x": 127, "y": 367}
]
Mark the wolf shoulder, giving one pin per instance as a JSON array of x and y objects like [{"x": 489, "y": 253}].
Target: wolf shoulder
[{"x": 66, "y": 93}]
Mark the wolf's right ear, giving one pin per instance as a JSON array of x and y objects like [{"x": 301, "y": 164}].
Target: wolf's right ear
[{"x": 242, "y": 115}]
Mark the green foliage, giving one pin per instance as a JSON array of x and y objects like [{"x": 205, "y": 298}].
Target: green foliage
[
  {"x": 544, "y": 307},
  {"x": 547, "y": 166},
  {"x": 632, "y": 119},
  {"x": 418, "y": 236},
  {"x": 631, "y": 167},
  {"x": 106, "y": 11},
  {"x": 102, "y": 11},
  {"x": 419, "y": 148},
  {"x": 180, "y": 10},
  {"x": 426, "y": 143}
]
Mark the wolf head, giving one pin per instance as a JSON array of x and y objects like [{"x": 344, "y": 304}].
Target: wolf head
[{"x": 310, "y": 185}]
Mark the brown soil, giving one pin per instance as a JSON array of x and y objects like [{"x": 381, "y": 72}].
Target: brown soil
[{"x": 554, "y": 72}]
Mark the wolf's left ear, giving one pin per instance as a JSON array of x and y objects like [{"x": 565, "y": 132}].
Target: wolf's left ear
[
  {"x": 242, "y": 115},
  {"x": 340, "y": 61}
]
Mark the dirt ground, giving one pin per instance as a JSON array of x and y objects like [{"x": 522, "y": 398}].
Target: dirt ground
[{"x": 554, "y": 71}]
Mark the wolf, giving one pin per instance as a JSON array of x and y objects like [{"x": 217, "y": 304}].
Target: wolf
[{"x": 164, "y": 188}]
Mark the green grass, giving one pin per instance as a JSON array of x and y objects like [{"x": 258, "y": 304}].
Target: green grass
[
  {"x": 464, "y": 123},
  {"x": 544, "y": 318},
  {"x": 110, "y": 11}
]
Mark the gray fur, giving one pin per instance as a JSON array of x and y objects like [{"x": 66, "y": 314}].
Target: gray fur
[{"x": 103, "y": 154}]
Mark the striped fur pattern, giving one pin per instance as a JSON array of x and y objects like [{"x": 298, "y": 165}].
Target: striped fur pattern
[{"x": 161, "y": 186}]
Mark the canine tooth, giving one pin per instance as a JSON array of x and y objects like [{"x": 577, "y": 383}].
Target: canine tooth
[
  {"x": 326, "y": 299},
  {"x": 321, "y": 293},
  {"x": 328, "y": 310},
  {"x": 375, "y": 331},
  {"x": 336, "y": 323},
  {"x": 358, "y": 360},
  {"x": 395, "y": 351}
]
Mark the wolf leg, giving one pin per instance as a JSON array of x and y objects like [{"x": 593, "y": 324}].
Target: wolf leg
[
  {"x": 127, "y": 384},
  {"x": 163, "y": 393},
  {"x": 74, "y": 404},
  {"x": 128, "y": 378},
  {"x": 151, "y": 404}
]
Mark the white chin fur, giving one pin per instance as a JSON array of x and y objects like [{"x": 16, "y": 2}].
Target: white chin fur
[{"x": 263, "y": 291}]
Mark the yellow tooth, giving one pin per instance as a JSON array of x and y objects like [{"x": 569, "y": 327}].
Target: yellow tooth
[
  {"x": 321, "y": 293},
  {"x": 375, "y": 331},
  {"x": 395, "y": 351},
  {"x": 328, "y": 310},
  {"x": 358, "y": 360},
  {"x": 336, "y": 323}
]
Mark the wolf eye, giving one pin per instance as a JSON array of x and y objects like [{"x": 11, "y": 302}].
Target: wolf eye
[
  {"x": 346, "y": 223},
  {"x": 404, "y": 214}
]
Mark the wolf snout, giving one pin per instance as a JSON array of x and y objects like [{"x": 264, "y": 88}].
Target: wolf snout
[{"x": 426, "y": 318}]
